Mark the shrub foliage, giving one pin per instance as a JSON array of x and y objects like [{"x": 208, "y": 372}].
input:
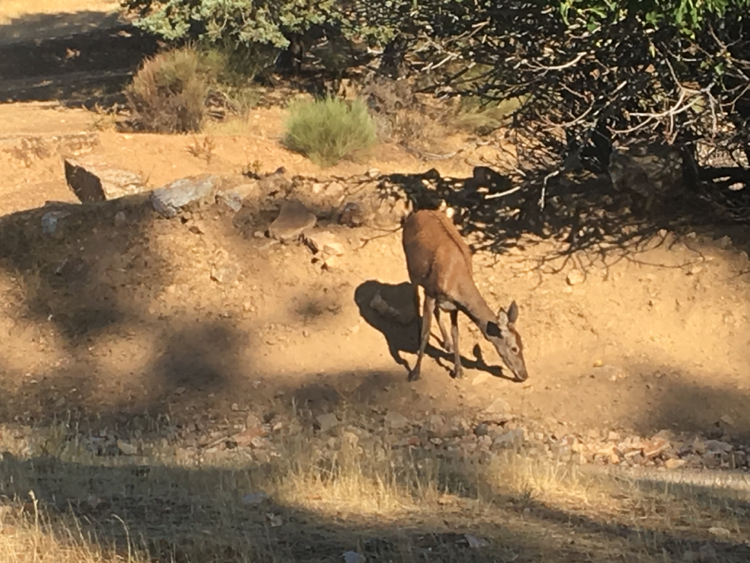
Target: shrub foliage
[{"x": 329, "y": 130}]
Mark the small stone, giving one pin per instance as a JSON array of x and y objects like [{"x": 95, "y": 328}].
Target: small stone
[
  {"x": 674, "y": 463},
  {"x": 353, "y": 557},
  {"x": 719, "y": 532},
  {"x": 126, "y": 448},
  {"x": 225, "y": 273},
  {"x": 179, "y": 391},
  {"x": 120, "y": 219},
  {"x": 499, "y": 410},
  {"x": 327, "y": 421},
  {"x": 352, "y": 215},
  {"x": 728, "y": 420},
  {"x": 511, "y": 439},
  {"x": 475, "y": 541},
  {"x": 396, "y": 420},
  {"x": 325, "y": 243},
  {"x": 293, "y": 220},
  {"x": 481, "y": 429},
  {"x": 655, "y": 447},
  {"x": 575, "y": 277},
  {"x": 235, "y": 407},
  {"x": 255, "y": 498},
  {"x": 244, "y": 190},
  {"x": 231, "y": 199},
  {"x": 716, "y": 446},
  {"x": 332, "y": 263}
]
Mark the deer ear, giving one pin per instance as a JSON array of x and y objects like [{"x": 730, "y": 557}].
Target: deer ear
[
  {"x": 493, "y": 329},
  {"x": 513, "y": 312}
]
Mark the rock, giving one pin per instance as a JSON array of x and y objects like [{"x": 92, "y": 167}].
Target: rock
[
  {"x": 245, "y": 190},
  {"x": 332, "y": 263},
  {"x": 50, "y": 221},
  {"x": 324, "y": 243},
  {"x": 93, "y": 181},
  {"x": 396, "y": 420},
  {"x": 498, "y": 411},
  {"x": 575, "y": 277},
  {"x": 126, "y": 448},
  {"x": 293, "y": 220},
  {"x": 481, "y": 429},
  {"x": 327, "y": 421},
  {"x": 674, "y": 463},
  {"x": 225, "y": 273},
  {"x": 231, "y": 199},
  {"x": 255, "y": 498},
  {"x": 120, "y": 219},
  {"x": 168, "y": 200},
  {"x": 511, "y": 439},
  {"x": 475, "y": 541},
  {"x": 719, "y": 532},
  {"x": 655, "y": 447},
  {"x": 716, "y": 446},
  {"x": 728, "y": 420},
  {"x": 352, "y": 215},
  {"x": 275, "y": 182}
]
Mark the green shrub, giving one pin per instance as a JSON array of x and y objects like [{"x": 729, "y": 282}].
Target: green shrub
[
  {"x": 329, "y": 130},
  {"x": 168, "y": 93}
]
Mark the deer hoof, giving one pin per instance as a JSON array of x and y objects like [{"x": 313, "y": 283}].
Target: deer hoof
[
  {"x": 414, "y": 375},
  {"x": 457, "y": 373}
]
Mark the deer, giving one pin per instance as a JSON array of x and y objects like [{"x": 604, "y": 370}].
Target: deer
[{"x": 439, "y": 261}]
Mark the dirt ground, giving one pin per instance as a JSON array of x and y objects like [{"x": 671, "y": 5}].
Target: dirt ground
[{"x": 122, "y": 315}]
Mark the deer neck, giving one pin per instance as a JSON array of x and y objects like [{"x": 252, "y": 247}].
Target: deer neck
[{"x": 475, "y": 307}]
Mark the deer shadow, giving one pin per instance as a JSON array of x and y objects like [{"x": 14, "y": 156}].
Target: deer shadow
[{"x": 392, "y": 311}]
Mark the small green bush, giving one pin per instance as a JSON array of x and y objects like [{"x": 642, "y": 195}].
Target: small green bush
[
  {"x": 329, "y": 130},
  {"x": 168, "y": 93}
]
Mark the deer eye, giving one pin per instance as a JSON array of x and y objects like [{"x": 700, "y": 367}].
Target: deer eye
[{"x": 514, "y": 349}]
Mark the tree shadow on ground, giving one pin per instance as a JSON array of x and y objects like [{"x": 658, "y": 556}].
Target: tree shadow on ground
[
  {"x": 81, "y": 58},
  {"x": 583, "y": 212}
]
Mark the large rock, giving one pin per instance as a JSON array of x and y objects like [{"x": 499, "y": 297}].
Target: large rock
[
  {"x": 91, "y": 180},
  {"x": 294, "y": 219},
  {"x": 169, "y": 199}
]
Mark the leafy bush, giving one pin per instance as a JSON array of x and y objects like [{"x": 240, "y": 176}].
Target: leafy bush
[
  {"x": 329, "y": 130},
  {"x": 168, "y": 93}
]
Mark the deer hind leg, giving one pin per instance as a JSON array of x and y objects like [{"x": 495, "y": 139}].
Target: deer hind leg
[
  {"x": 447, "y": 341},
  {"x": 458, "y": 371},
  {"x": 427, "y": 312}
]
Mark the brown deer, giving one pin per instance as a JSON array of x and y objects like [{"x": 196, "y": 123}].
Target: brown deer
[{"x": 439, "y": 260}]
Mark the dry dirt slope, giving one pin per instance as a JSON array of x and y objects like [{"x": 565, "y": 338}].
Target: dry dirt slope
[{"x": 116, "y": 313}]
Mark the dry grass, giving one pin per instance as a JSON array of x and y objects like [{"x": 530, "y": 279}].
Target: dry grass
[{"x": 327, "y": 495}]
